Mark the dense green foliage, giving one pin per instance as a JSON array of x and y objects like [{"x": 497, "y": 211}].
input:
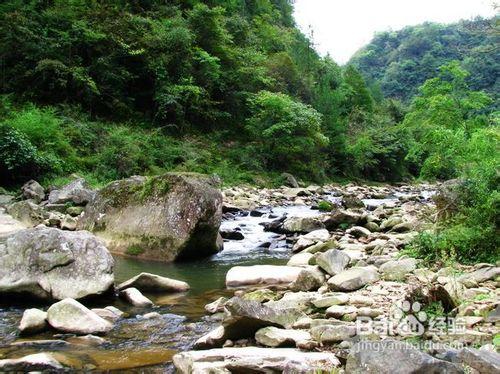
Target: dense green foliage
[
  {"x": 122, "y": 87},
  {"x": 451, "y": 137},
  {"x": 128, "y": 87},
  {"x": 400, "y": 61}
]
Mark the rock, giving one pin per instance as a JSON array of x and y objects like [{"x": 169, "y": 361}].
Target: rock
[
  {"x": 360, "y": 300},
  {"x": 397, "y": 270},
  {"x": 135, "y": 297},
  {"x": 289, "y": 180},
  {"x": 295, "y": 300},
  {"x": 304, "y": 241},
  {"x": 333, "y": 261},
  {"x": 216, "y": 306},
  {"x": 168, "y": 217},
  {"x": 68, "y": 223},
  {"x": 351, "y": 201},
  {"x": 390, "y": 356},
  {"x": 333, "y": 333},
  {"x": 299, "y": 259},
  {"x": 275, "y": 337},
  {"x": 425, "y": 275},
  {"x": 49, "y": 263},
  {"x": 246, "y": 317},
  {"x": 70, "y": 316},
  {"x": 482, "y": 360},
  {"x": 403, "y": 227},
  {"x": 482, "y": 275},
  {"x": 151, "y": 315},
  {"x": 74, "y": 211},
  {"x": 239, "y": 276},
  {"x": 106, "y": 314},
  {"x": 372, "y": 226},
  {"x": 456, "y": 290},
  {"x": 213, "y": 339},
  {"x": 35, "y": 362},
  {"x": 28, "y": 213},
  {"x": 261, "y": 295},
  {"x": 390, "y": 223},
  {"x": 328, "y": 300},
  {"x": 301, "y": 224},
  {"x": 232, "y": 234},
  {"x": 32, "y": 190},
  {"x": 447, "y": 197},
  {"x": 254, "y": 360},
  {"x": 77, "y": 192},
  {"x": 321, "y": 247},
  {"x": 33, "y": 321},
  {"x": 358, "y": 232},
  {"x": 339, "y": 217},
  {"x": 310, "y": 278},
  {"x": 353, "y": 279},
  {"x": 154, "y": 283},
  {"x": 338, "y": 311}
]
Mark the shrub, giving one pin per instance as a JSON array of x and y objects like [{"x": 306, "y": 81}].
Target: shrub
[{"x": 19, "y": 159}]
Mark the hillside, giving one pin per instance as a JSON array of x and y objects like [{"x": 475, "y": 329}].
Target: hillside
[{"x": 400, "y": 61}]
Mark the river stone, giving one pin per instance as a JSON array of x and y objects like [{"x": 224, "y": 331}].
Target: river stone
[
  {"x": 275, "y": 337},
  {"x": 154, "y": 283},
  {"x": 299, "y": 259},
  {"x": 353, "y": 279},
  {"x": 35, "y": 362},
  {"x": 70, "y": 316},
  {"x": 261, "y": 275},
  {"x": 33, "y": 320},
  {"x": 213, "y": 339},
  {"x": 482, "y": 360},
  {"x": 333, "y": 261},
  {"x": 53, "y": 264},
  {"x": 77, "y": 192},
  {"x": 333, "y": 333},
  {"x": 135, "y": 297},
  {"x": 358, "y": 232},
  {"x": 327, "y": 300},
  {"x": 310, "y": 278},
  {"x": 481, "y": 275},
  {"x": 390, "y": 223},
  {"x": 301, "y": 224},
  {"x": 246, "y": 316},
  {"x": 28, "y": 212},
  {"x": 398, "y": 269},
  {"x": 216, "y": 306},
  {"x": 33, "y": 190},
  {"x": 168, "y": 217},
  {"x": 390, "y": 356},
  {"x": 338, "y": 311},
  {"x": 338, "y": 217},
  {"x": 295, "y": 300},
  {"x": 289, "y": 180},
  {"x": 255, "y": 360},
  {"x": 68, "y": 223}
]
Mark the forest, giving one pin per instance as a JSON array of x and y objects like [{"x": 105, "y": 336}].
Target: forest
[{"x": 112, "y": 89}]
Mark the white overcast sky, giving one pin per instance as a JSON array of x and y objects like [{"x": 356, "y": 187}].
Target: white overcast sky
[{"x": 341, "y": 27}]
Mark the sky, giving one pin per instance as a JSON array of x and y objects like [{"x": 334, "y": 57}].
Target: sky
[{"x": 341, "y": 27}]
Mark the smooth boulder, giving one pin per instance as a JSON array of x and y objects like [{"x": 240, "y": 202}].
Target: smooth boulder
[
  {"x": 53, "y": 264},
  {"x": 77, "y": 192},
  {"x": 255, "y": 360},
  {"x": 164, "y": 218},
  {"x": 135, "y": 297},
  {"x": 154, "y": 283},
  {"x": 276, "y": 337},
  {"x": 333, "y": 261},
  {"x": 33, "y": 321},
  {"x": 353, "y": 279},
  {"x": 69, "y": 315},
  {"x": 36, "y": 362}
]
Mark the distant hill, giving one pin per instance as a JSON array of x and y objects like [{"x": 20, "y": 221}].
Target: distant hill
[{"x": 400, "y": 61}]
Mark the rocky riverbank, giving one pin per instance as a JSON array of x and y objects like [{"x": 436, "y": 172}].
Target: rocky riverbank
[{"x": 348, "y": 297}]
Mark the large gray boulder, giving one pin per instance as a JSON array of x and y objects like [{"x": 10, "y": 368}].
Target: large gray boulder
[
  {"x": 154, "y": 283},
  {"x": 302, "y": 225},
  {"x": 76, "y": 192},
  {"x": 398, "y": 269},
  {"x": 275, "y": 337},
  {"x": 168, "y": 217},
  {"x": 482, "y": 360},
  {"x": 27, "y": 212},
  {"x": 255, "y": 360},
  {"x": 53, "y": 264},
  {"x": 69, "y": 315},
  {"x": 33, "y": 190},
  {"x": 390, "y": 356},
  {"x": 339, "y": 217},
  {"x": 448, "y": 197},
  {"x": 353, "y": 279}
]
